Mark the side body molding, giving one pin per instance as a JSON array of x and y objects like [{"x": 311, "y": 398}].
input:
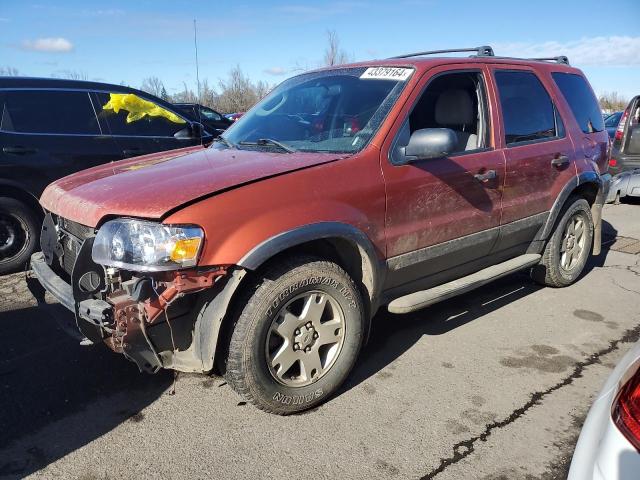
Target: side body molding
[{"x": 373, "y": 268}]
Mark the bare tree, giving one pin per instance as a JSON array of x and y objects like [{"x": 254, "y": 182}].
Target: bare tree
[
  {"x": 9, "y": 72},
  {"x": 612, "y": 101},
  {"x": 71, "y": 75},
  {"x": 152, "y": 85},
  {"x": 185, "y": 96},
  {"x": 237, "y": 93},
  {"x": 208, "y": 95},
  {"x": 334, "y": 54},
  {"x": 262, "y": 89}
]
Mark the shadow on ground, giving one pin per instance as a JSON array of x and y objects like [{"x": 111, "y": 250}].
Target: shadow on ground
[{"x": 46, "y": 376}]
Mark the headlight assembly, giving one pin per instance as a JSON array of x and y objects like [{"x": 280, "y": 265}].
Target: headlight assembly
[{"x": 145, "y": 246}]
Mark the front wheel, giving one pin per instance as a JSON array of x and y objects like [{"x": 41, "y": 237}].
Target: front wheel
[
  {"x": 569, "y": 247},
  {"x": 19, "y": 233},
  {"x": 297, "y": 336}
]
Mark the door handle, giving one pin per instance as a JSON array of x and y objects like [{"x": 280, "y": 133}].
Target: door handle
[
  {"x": 486, "y": 176},
  {"x": 18, "y": 150},
  {"x": 131, "y": 152},
  {"x": 560, "y": 161}
]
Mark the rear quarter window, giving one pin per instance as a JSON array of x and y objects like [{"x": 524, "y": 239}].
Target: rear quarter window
[
  {"x": 49, "y": 111},
  {"x": 581, "y": 100}
]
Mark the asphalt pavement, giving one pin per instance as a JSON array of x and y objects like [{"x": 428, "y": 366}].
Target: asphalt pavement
[{"x": 494, "y": 384}]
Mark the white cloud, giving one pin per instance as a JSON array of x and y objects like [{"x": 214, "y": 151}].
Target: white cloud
[
  {"x": 275, "y": 71},
  {"x": 56, "y": 45},
  {"x": 596, "y": 51}
]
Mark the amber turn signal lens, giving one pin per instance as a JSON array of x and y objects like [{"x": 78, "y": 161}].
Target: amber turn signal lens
[{"x": 185, "y": 249}]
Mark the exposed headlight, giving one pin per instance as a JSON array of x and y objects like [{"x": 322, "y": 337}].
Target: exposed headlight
[{"x": 146, "y": 246}]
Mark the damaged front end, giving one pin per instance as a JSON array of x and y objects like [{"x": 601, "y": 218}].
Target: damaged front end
[{"x": 157, "y": 319}]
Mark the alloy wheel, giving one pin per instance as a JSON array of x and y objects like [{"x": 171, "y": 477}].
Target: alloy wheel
[
  {"x": 305, "y": 339},
  {"x": 573, "y": 242}
]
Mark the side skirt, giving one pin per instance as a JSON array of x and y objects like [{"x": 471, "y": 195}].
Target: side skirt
[{"x": 417, "y": 300}]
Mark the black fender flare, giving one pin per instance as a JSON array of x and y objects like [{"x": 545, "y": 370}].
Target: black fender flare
[
  {"x": 581, "y": 179},
  {"x": 372, "y": 266},
  {"x": 213, "y": 305}
]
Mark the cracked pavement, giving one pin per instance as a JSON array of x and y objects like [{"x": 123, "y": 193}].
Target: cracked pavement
[{"x": 494, "y": 384}]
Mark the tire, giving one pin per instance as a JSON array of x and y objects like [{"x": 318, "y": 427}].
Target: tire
[
  {"x": 19, "y": 234},
  {"x": 259, "y": 365},
  {"x": 566, "y": 253}
]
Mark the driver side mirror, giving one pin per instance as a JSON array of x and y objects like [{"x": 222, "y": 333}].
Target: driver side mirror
[{"x": 430, "y": 143}]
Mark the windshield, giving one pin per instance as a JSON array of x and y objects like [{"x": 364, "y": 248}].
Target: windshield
[
  {"x": 612, "y": 120},
  {"x": 329, "y": 111}
]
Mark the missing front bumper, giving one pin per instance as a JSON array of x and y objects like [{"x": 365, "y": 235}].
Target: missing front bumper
[
  {"x": 145, "y": 330},
  {"x": 95, "y": 319}
]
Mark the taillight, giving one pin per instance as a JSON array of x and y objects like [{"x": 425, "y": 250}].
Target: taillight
[
  {"x": 613, "y": 162},
  {"x": 626, "y": 411},
  {"x": 621, "y": 124}
]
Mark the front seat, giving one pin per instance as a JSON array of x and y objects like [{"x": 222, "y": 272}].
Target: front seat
[{"x": 454, "y": 110}]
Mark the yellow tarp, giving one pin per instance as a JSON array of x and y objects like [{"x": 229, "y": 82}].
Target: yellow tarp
[{"x": 138, "y": 108}]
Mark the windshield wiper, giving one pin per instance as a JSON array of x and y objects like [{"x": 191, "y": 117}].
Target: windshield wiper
[
  {"x": 271, "y": 141},
  {"x": 221, "y": 139}
]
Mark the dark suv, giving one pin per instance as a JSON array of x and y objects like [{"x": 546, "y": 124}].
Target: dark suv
[
  {"x": 392, "y": 183},
  {"x": 50, "y": 128},
  {"x": 213, "y": 121}
]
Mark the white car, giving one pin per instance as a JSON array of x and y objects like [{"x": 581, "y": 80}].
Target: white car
[{"x": 609, "y": 444}]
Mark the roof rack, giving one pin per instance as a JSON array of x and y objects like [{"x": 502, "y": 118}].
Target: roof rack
[
  {"x": 483, "y": 51},
  {"x": 559, "y": 59}
]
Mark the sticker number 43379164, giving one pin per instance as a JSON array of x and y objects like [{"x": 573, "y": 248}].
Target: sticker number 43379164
[{"x": 387, "y": 73}]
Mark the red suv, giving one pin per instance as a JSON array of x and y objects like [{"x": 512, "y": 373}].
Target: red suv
[{"x": 391, "y": 183}]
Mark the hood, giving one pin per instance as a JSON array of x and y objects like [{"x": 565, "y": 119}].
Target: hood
[{"x": 153, "y": 185}]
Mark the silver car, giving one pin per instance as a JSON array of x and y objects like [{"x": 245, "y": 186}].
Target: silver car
[{"x": 609, "y": 444}]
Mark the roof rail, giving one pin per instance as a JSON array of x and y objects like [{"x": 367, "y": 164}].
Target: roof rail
[
  {"x": 559, "y": 59},
  {"x": 483, "y": 51}
]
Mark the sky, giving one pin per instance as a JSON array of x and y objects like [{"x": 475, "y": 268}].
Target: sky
[{"x": 126, "y": 41}]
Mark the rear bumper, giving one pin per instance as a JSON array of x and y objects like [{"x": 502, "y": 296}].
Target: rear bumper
[
  {"x": 55, "y": 285},
  {"x": 624, "y": 163},
  {"x": 626, "y": 183},
  {"x": 602, "y": 452}
]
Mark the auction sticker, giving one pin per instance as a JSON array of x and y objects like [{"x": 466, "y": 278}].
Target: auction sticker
[{"x": 387, "y": 73}]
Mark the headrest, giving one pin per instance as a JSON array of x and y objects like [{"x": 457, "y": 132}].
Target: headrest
[{"x": 454, "y": 107}]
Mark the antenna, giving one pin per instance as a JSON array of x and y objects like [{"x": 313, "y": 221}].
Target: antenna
[{"x": 195, "y": 44}]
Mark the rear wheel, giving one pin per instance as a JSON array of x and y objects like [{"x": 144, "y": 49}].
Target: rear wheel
[
  {"x": 297, "y": 336},
  {"x": 569, "y": 247},
  {"x": 19, "y": 233}
]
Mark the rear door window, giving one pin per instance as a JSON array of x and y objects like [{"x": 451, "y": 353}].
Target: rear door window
[
  {"x": 128, "y": 114},
  {"x": 527, "y": 109},
  {"x": 581, "y": 100},
  {"x": 49, "y": 111}
]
